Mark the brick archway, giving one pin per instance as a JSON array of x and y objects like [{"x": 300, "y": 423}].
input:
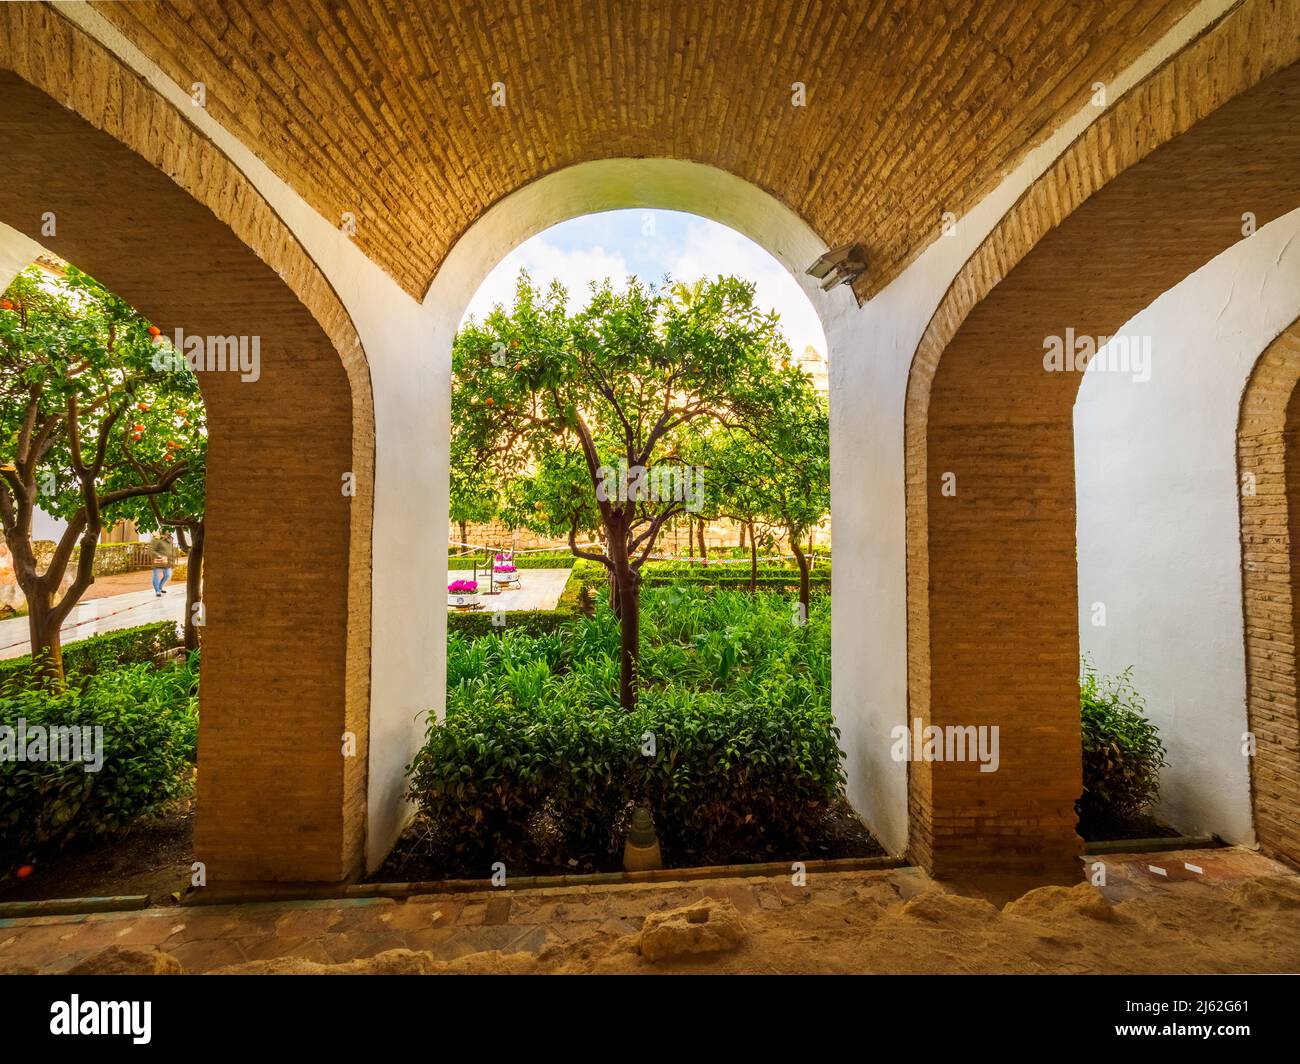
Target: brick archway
[
  {"x": 1154, "y": 189},
  {"x": 1268, "y": 458},
  {"x": 146, "y": 204}
]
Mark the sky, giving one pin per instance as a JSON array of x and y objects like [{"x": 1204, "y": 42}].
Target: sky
[{"x": 649, "y": 244}]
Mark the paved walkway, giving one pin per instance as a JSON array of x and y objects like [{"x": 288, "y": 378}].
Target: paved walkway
[
  {"x": 1238, "y": 913},
  {"x": 539, "y": 589},
  {"x": 95, "y": 615}
]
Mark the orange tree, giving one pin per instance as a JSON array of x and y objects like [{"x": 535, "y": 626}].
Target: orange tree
[
  {"x": 76, "y": 359},
  {"x": 617, "y": 387},
  {"x": 166, "y": 428},
  {"x": 777, "y": 476}
]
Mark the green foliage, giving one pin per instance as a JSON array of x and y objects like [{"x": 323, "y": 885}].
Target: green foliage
[
  {"x": 71, "y": 341},
  {"x": 735, "y": 695},
  {"x": 1122, "y": 751},
  {"x": 540, "y": 560},
  {"x": 574, "y": 600},
  {"x": 555, "y": 496},
  {"x": 99, "y": 653},
  {"x": 149, "y": 718}
]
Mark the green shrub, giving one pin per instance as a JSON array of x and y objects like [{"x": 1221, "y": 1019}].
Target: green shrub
[
  {"x": 149, "y": 718},
  {"x": 1122, "y": 751},
  {"x": 547, "y": 560},
  {"x": 574, "y": 600},
  {"x": 98, "y": 653},
  {"x": 735, "y": 695}
]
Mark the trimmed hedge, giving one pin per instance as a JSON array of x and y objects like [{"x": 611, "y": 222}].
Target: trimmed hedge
[
  {"x": 736, "y": 697},
  {"x": 522, "y": 561},
  {"x": 574, "y": 601},
  {"x": 99, "y": 653},
  {"x": 478, "y": 624},
  {"x": 149, "y": 722},
  {"x": 734, "y": 581}
]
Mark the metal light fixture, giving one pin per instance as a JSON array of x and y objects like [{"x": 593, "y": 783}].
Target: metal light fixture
[
  {"x": 841, "y": 265},
  {"x": 641, "y": 850}
]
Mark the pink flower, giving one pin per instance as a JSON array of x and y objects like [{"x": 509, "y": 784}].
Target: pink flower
[{"x": 463, "y": 587}]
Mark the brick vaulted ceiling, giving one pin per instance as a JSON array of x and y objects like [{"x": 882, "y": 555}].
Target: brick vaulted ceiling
[{"x": 383, "y": 107}]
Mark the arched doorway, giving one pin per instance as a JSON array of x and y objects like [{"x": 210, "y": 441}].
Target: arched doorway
[
  {"x": 1268, "y": 455},
  {"x": 105, "y": 174},
  {"x": 1147, "y": 195}
]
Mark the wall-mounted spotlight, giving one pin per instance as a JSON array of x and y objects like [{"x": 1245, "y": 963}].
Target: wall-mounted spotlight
[{"x": 841, "y": 265}]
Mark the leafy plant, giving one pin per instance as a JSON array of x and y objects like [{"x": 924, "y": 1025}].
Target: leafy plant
[
  {"x": 99, "y": 653},
  {"x": 149, "y": 721},
  {"x": 1122, "y": 751},
  {"x": 731, "y": 743}
]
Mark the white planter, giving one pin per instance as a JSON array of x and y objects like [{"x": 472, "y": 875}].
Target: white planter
[
  {"x": 461, "y": 600},
  {"x": 506, "y": 579}
]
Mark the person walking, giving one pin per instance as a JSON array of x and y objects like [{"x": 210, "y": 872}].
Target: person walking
[{"x": 164, "y": 561}]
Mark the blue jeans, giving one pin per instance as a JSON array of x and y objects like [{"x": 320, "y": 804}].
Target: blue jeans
[{"x": 160, "y": 577}]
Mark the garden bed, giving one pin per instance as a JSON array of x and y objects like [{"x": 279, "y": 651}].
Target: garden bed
[
  {"x": 153, "y": 857},
  {"x": 423, "y": 853},
  {"x": 1114, "y": 829}
]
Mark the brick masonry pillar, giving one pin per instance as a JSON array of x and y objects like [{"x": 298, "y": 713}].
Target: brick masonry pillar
[
  {"x": 157, "y": 213},
  {"x": 1268, "y": 454}
]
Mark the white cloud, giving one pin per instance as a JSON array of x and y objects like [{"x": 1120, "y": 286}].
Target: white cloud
[
  {"x": 712, "y": 249},
  {"x": 705, "y": 249},
  {"x": 575, "y": 269}
]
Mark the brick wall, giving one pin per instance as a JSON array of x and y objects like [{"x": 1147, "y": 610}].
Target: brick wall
[
  {"x": 1268, "y": 455},
  {"x": 1149, "y": 193},
  {"x": 150, "y": 207}
]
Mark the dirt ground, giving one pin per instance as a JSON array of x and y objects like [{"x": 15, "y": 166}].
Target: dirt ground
[
  {"x": 1226, "y": 910},
  {"x": 152, "y": 857}
]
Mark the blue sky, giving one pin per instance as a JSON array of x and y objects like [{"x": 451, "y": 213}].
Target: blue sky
[{"x": 649, "y": 244}]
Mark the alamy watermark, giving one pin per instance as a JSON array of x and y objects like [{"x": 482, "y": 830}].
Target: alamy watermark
[
  {"x": 211, "y": 354},
  {"x": 61, "y": 742},
  {"x": 1074, "y": 353},
  {"x": 953, "y": 742},
  {"x": 661, "y": 483}
]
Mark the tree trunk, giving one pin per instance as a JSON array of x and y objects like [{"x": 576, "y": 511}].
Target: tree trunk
[
  {"x": 45, "y": 616},
  {"x": 753, "y": 560},
  {"x": 47, "y": 642},
  {"x": 742, "y": 535},
  {"x": 625, "y": 582},
  {"x": 193, "y": 585},
  {"x": 464, "y": 534},
  {"x": 803, "y": 574},
  {"x": 704, "y": 546},
  {"x": 615, "y": 603},
  {"x": 629, "y": 595}
]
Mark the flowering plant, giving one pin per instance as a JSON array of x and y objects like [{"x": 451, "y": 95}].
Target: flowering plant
[
  {"x": 463, "y": 587},
  {"x": 507, "y": 568}
]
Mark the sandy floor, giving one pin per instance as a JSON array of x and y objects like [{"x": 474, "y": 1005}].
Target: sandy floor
[{"x": 1238, "y": 912}]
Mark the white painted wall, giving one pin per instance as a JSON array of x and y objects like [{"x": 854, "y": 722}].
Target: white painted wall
[
  {"x": 408, "y": 345},
  {"x": 868, "y": 392},
  {"x": 1159, "y": 527}
]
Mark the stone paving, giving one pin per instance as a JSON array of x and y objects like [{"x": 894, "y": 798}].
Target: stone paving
[
  {"x": 539, "y": 589},
  {"x": 94, "y": 616},
  {"x": 798, "y": 927}
]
